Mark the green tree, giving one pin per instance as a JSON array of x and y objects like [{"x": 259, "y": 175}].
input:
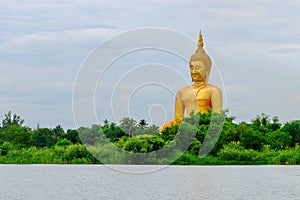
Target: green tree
[
  {"x": 58, "y": 132},
  {"x": 5, "y": 148},
  {"x": 261, "y": 123},
  {"x": 201, "y": 132},
  {"x": 143, "y": 128},
  {"x": 63, "y": 142},
  {"x": 92, "y": 135},
  {"x": 275, "y": 125},
  {"x": 142, "y": 123},
  {"x": 42, "y": 137},
  {"x": 17, "y": 135},
  {"x": 235, "y": 152},
  {"x": 185, "y": 136},
  {"x": 278, "y": 139},
  {"x": 72, "y": 136},
  {"x": 155, "y": 143},
  {"x": 169, "y": 133},
  {"x": 293, "y": 128},
  {"x": 128, "y": 125},
  {"x": 195, "y": 147},
  {"x": 10, "y": 119},
  {"x": 252, "y": 139},
  {"x": 113, "y": 132},
  {"x": 136, "y": 145},
  {"x": 106, "y": 123},
  {"x": 231, "y": 133},
  {"x": 76, "y": 151},
  {"x": 197, "y": 119}
]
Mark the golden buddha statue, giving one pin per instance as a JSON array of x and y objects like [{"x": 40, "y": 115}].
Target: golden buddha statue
[{"x": 200, "y": 96}]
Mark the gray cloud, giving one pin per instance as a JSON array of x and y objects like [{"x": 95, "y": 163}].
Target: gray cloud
[
  {"x": 286, "y": 50},
  {"x": 255, "y": 45}
]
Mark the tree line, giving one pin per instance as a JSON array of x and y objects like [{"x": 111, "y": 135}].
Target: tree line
[{"x": 264, "y": 140}]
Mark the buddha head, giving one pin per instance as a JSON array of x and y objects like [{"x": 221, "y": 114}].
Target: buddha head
[{"x": 200, "y": 63}]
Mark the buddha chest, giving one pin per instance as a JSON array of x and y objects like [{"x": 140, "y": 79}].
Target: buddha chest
[{"x": 197, "y": 100}]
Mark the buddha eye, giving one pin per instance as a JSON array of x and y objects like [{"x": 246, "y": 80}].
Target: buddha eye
[{"x": 198, "y": 67}]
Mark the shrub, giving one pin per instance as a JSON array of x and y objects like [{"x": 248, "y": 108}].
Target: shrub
[{"x": 5, "y": 148}]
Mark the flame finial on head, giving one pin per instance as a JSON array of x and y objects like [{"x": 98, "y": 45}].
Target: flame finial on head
[
  {"x": 200, "y": 40},
  {"x": 200, "y": 54}
]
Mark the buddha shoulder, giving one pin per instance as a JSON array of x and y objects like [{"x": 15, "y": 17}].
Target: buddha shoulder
[
  {"x": 184, "y": 90},
  {"x": 214, "y": 90}
]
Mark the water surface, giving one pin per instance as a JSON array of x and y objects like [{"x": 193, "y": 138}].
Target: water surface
[{"x": 171, "y": 182}]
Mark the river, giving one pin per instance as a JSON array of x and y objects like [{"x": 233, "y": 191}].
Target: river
[{"x": 148, "y": 182}]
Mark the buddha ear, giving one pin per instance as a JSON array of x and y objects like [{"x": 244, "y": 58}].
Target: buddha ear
[{"x": 207, "y": 75}]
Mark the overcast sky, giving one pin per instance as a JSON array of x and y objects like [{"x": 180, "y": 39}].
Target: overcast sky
[{"x": 255, "y": 46}]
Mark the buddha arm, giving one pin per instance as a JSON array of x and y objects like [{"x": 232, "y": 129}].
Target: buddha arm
[
  {"x": 216, "y": 100},
  {"x": 179, "y": 108},
  {"x": 179, "y": 112}
]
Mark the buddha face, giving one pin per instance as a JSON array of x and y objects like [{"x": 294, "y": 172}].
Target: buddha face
[{"x": 199, "y": 72}]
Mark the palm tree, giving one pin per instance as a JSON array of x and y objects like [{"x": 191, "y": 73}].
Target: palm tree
[
  {"x": 128, "y": 125},
  {"x": 142, "y": 123}
]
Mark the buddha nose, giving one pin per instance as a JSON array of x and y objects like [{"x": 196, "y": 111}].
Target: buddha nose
[{"x": 194, "y": 70}]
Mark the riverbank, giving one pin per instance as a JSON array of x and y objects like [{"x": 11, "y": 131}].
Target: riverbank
[{"x": 78, "y": 154}]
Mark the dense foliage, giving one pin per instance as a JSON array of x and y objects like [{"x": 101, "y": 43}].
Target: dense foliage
[{"x": 263, "y": 141}]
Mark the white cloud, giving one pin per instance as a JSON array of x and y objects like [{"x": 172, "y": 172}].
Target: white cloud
[{"x": 56, "y": 40}]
